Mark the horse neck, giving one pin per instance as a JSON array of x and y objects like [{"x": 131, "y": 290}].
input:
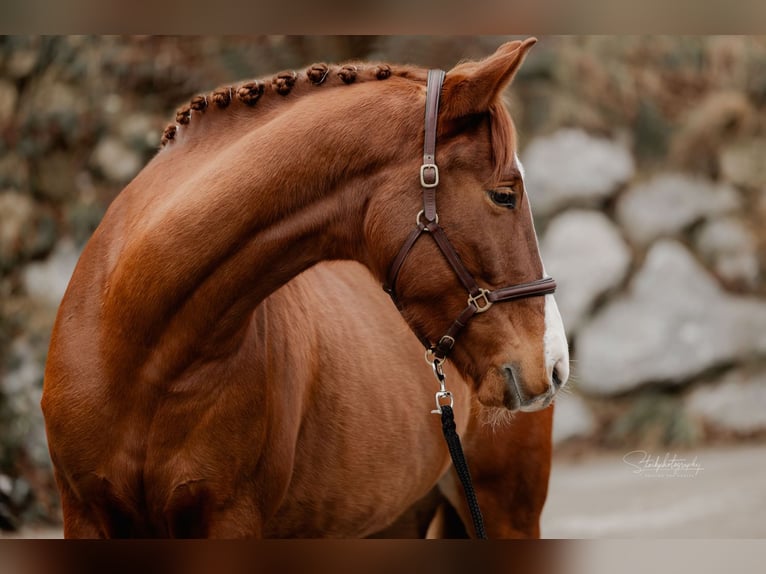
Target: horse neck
[{"x": 205, "y": 236}]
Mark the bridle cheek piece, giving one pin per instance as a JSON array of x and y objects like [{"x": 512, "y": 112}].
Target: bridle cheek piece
[{"x": 427, "y": 221}]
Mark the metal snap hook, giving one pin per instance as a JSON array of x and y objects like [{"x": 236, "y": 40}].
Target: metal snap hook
[
  {"x": 439, "y": 396},
  {"x": 437, "y": 365}
]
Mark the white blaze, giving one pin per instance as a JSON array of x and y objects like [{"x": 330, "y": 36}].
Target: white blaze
[{"x": 555, "y": 345}]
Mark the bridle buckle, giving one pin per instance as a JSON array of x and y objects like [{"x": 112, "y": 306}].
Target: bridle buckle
[
  {"x": 423, "y": 169},
  {"x": 482, "y": 296}
]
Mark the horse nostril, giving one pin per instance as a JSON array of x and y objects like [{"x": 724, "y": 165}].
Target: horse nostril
[
  {"x": 559, "y": 375},
  {"x": 513, "y": 382},
  {"x": 509, "y": 376}
]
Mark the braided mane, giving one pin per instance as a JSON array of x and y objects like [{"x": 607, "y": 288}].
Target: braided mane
[{"x": 249, "y": 93}]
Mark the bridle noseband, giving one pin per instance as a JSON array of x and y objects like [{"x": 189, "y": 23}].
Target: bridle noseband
[{"x": 427, "y": 221}]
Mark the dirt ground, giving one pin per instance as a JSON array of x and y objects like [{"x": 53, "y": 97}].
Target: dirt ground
[
  {"x": 707, "y": 493},
  {"x": 710, "y": 493}
]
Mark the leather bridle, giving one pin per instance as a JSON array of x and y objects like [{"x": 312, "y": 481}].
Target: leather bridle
[{"x": 427, "y": 221}]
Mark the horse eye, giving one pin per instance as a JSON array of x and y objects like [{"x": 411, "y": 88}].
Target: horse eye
[{"x": 503, "y": 196}]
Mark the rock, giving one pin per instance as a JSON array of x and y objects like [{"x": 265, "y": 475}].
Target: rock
[
  {"x": 672, "y": 324},
  {"x": 26, "y": 228},
  {"x": 8, "y": 98},
  {"x": 16, "y": 215},
  {"x": 571, "y": 167},
  {"x": 22, "y": 59},
  {"x": 719, "y": 117},
  {"x": 566, "y": 109},
  {"x": 82, "y": 219},
  {"x": 55, "y": 114},
  {"x": 141, "y": 130},
  {"x": 21, "y": 388},
  {"x": 586, "y": 255},
  {"x": 571, "y": 419},
  {"x": 55, "y": 176},
  {"x": 727, "y": 61},
  {"x": 14, "y": 171},
  {"x": 50, "y": 98},
  {"x": 651, "y": 132},
  {"x": 668, "y": 203},
  {"x": 652, "y": 419},
  {"x": 742, "y": 163},
  {"x": 115, "y": 160},
  {"x": 734, "y": 404},
  {"x": 27, "y": 373},
  {"x": 48, "y": 280},
  {"x": 731, "y": 249}
]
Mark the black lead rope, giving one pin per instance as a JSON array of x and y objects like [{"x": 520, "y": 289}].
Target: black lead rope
[{"x": 461, "y": 467}]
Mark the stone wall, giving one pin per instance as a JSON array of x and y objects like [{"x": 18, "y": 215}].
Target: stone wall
[
  {"x": 644, "y": 161},
  {"x": 647, "y": 176}
]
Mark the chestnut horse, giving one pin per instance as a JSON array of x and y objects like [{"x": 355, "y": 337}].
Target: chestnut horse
[{"x": 175, "y": 407}]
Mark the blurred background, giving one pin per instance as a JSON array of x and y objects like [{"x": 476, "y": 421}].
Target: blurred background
[{"x": 645, "y": 164}]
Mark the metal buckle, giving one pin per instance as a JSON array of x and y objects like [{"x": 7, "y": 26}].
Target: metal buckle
[
  {"x": 483, "y": 294},
  {"x": 423, "y": 169},
  {"x": 421, "y": 213},
  {"x": 446, "y": 338}
]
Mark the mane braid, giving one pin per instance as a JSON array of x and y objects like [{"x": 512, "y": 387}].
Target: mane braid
[{"x": 251, "y": 91}]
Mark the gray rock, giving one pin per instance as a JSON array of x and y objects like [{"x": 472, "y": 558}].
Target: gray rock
[
  {"x": 55, "y": 177},
  {"x": 673, "y": 323},
  {"x": 17, "y": 212},
  {"x": 731, "y": 249},
  {"x": 706, "y": 125},
  {"x": 572, "y": 418},
  {"x": 21, "y": 62},
  {"x": 572, "y": 167},
  {"x": 734, "y": 403},
  {"x": 14, "y": 171},
  {"x": 584, "y": 251},
  {"x": 668, "y": 203},
  {"x": 48, "y": 280},
  {"x": 742, "y": 163},
  {"x": 50, "y": 98},
  {"x": 141, "y": 130},
  {"x": 27, "y": 373},
  {"x": 27, "y": 229},
  {"x": 8, "y": 98},
  {"x": 115, "y": 160},
  {"x": 21, "y": 388}
]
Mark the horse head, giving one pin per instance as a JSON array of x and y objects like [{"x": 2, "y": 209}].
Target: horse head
[{"x": 515, "y": 354}]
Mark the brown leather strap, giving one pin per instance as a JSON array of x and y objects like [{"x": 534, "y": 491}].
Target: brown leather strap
[
  {"x": 533, "y": 288},
  {"x": 451, "y": 255},
  {"x": 393, "y": 272},
  {"x": 429, "y": 173},
  {"x": 445, "y": 344},
  {"x": 433, "y": 91}
]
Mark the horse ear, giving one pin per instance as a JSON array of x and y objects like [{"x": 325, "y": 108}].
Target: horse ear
[{"x": 471, "y": 87}]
